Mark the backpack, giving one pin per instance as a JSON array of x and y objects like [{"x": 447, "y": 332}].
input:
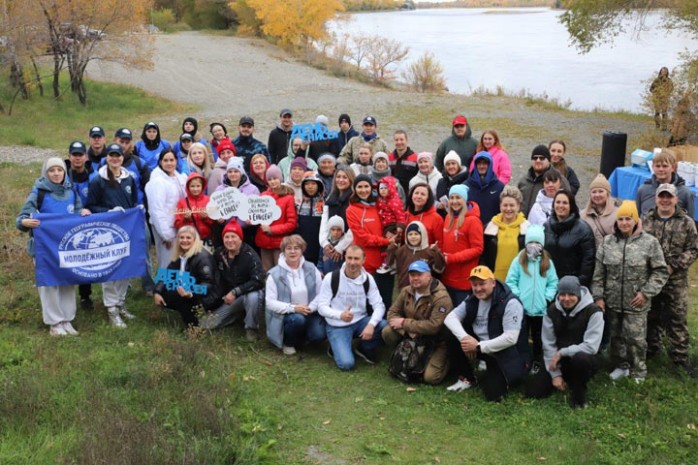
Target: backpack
[
  {"x": 409, "y": 359},
  {"x": 334, "y": 284}
]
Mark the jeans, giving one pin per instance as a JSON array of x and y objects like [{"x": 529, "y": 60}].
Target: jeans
[
  {"x": 298, "y": 328},
  {"x": 457, "y": 295},
  {"x": 340, "y": 338},
  {"x": 251, "y": 304}
]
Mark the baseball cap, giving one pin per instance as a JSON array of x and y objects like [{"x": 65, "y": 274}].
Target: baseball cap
[
  {"x": 668, "y": 188},
  {"x": 114, "y": 148},
  {"x": 124, "y": 133},
  {"x": 186, "y": 136},
  {"x": 460, "y": 119},
  {"x": 481, "y": 272},
  {"x": 246, "y": 120},
  {"x": 77, "y": 147},
  {"x": 370, "y": 120},
  {"x": 285, "y": 112},
  {"x": 96, "y": 131},
  {"x": 419, "y": 266}
]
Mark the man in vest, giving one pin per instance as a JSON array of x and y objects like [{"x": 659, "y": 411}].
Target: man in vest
[
  {"x": 488, "y": 326},
  {"x": 419, "y": 312},
  {"x": 346, "y": 310},
  {"x": 572, "y": 331},
  {"x": 240, "y": 279}
]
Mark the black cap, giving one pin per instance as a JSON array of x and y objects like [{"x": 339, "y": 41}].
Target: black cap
[
  {"x": 370, "y": 120},
  {"x": 77, "y": 147},
  {"x": 151, "y": 125},
  {"x": 186, "y": 136},
  {"x": 286, "y": 111},
  {"x": 246, "y": 120},
  {"x": 124, "y": 133},
  {"x": 96, "y": 131},
  {"x": 114, "y": 148},
  {"x": 210, "y": 127},
  {"x": 344, "y": 117}
]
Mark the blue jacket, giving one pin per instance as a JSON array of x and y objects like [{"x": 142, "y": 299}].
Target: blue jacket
[
  {"x": 54, "y": 198},
  {"x": 102, "y": 196},
  {"x": 485, "y": 192},
  {"x": 150, "y": 156},
  {"x": 140, "y": 173},
  {"x": 81, "y": 181},
  {"x": 533, "y": 290},
  {"x": 247, "y": 147},
  {"x": 338, "y": 144}
]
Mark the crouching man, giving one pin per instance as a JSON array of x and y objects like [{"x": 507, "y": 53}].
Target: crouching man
[
  {"x": 346, "y": 297},
  {"x": 488, "y": 326},
  {"x": 572, "y": 330},
  {"x": 418, "y": 314}
]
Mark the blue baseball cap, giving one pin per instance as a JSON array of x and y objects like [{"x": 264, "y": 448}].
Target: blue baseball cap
[{"x": 419, "y": 266}]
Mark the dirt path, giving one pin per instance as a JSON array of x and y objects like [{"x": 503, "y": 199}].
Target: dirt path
[{"x": 227, "y": 77}]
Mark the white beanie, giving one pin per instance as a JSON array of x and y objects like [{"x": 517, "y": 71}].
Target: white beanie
[
  {"x": 236, "y": 163},
  {"x": 50, "y": 163},
  {"x": 452, "y": 155},
  {"x": 378, "y": 155},
  {"x": 335, "y": 222}
]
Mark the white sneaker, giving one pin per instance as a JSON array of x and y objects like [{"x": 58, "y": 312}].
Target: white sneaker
[
  {"x": 482, "y": 366},
  {"x": 288, "y": 350},
  {"x": 68, "y": 328},
  {"x": 57, "y": 330},
  {"x": 384, "y": 269},
  {"x": 461, "y": 385},
  {"x": 619, "y": 373},
  {"x": 124, "y": 313},
  {"x": 639, "y": 379},
  {"x": 114, "y": 317}
]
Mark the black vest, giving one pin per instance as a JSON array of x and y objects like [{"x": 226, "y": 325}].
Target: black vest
[
  {"x": 513, "y": 360},
  {"x": 570, "y": 330}
]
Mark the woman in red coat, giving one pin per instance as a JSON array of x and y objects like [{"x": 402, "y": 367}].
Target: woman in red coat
[
  {"x": 420, "y": 207},
  {"x": 365, "y": 222},
  {"x": 463, "y": 243},
  {"x": 269, "y": 237}
]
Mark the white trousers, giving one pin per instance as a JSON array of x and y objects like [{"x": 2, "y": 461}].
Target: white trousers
[
  {"x": 58, "y": 303},
  {"x": 114, "y": 292},
  {"x": 164, "y": 254}
]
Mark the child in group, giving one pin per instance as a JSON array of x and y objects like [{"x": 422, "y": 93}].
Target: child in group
[
  {"x": 533, "y": 279},
  {"x": 310, "y": 214},
  {"x": 392, "y": 214},
  {"x": 191, "y": 210},
  {"x": 52, "y": 193},
  {"x": 327, "y": 262},
  {"x": 364, "y": 163},
  {"x": 416, "y": 247}
]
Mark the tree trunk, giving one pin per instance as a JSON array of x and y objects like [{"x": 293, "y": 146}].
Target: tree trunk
[
  {"x": 38, "y": 76},
  {"x": 57, "y": 65}
]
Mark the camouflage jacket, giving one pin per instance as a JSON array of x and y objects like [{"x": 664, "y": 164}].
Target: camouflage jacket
[
  {"x": 678, "y": 238},
  {"x": 625, "y": 266}
]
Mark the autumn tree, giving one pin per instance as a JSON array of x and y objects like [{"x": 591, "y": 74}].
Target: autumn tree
[
  {"x": 426, "y": 74},
  {"x": 292, "y": 23},
  {"x": 382, "y": 55}
]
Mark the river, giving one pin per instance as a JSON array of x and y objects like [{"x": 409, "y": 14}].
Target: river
[{"x": 527, "y": 48}]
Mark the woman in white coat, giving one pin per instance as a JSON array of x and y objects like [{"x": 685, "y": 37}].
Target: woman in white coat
[{"x": 163, "y": 191}]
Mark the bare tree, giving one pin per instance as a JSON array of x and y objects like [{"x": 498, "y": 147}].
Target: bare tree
[{"x": 382, "y": 54}]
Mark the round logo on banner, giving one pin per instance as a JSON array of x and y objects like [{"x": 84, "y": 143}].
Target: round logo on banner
[{"x": 94, "y": 249}]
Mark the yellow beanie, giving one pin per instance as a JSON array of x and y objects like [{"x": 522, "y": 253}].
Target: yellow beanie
[{"x": 628, "y": 208}]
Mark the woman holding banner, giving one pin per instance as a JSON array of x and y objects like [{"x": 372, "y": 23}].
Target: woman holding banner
[
  {"x": 52, "y": 193},
  {"x": 114, "y": 189},
  {"x": 192, "y": 286}
]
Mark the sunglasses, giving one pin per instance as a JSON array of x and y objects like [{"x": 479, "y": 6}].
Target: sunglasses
[{"x": 538, "y": 157}]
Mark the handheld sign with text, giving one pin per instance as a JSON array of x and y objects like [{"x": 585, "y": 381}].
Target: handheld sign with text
[{"x": 254, "y": 209}]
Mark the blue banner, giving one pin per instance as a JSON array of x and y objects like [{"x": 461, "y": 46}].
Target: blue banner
[{"x": 102, "y": 247}]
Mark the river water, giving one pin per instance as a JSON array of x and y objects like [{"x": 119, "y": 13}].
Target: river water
[{"x": 527, "y": 48}]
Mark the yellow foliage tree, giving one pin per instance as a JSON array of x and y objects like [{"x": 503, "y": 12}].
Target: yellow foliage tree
[{"x": 293, "y": 22}]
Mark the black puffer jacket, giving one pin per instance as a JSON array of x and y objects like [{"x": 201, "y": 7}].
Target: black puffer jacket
[
  {"x": 572, "y": 247},
  {"x": 242, "y": 274},
  {"x": 447, "y": 181},
  {"x": 201, "y": 268}
]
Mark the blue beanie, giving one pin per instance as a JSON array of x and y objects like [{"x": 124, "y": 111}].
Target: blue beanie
[
  {"x": 535, "y": 233},
  {"x": 459, "y": 189}
]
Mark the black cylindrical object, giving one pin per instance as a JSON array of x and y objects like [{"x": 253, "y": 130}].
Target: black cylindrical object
[{"x": 613, "y": 150}]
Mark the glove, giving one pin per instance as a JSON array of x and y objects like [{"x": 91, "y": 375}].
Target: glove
[{"x": 117, "y": 209}]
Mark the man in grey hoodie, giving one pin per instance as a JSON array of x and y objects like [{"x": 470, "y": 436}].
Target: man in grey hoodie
[{"x": 572, "y": 330}]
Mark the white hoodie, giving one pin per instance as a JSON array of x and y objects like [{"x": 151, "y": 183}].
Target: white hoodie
[
  {"x": 299, "y": 291},
  {"x": 350, "y": 293}
]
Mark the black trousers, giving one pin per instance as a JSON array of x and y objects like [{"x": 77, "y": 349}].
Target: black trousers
[
  {"x": 184, "y": 306},
  {"x": 576, "y": 372},
  {"x": 493, "y": 383}
]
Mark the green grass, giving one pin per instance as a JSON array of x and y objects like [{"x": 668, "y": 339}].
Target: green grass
[
  {"x": 153, "y": 395},
  {"x": 45, "y": 122}
]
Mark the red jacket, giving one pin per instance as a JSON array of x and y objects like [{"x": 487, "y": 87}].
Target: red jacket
[
  {"x": 365, "y": 224},
  {"x": 391, "y": 208},
  {"x": 195, "y": 205},
  {"x": 282, "y": 227},
  {"x": 433, "y": 223},
  {"x": 462, "y": 248}
]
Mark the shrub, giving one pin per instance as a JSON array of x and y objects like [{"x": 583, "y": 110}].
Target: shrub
[{"x": 425, "y": 74}]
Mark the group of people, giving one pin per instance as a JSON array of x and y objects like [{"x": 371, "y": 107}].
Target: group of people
[{"x": 490, "y": 264}]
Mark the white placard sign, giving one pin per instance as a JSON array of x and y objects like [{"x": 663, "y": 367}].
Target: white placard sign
[{"x": 254, "y": 209}]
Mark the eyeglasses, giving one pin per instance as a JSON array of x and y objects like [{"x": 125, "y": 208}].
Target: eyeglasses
[{"x": 538, "y": 157}]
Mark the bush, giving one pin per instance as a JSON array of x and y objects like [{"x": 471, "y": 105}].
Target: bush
[
  {"x": 164, "y": 19},
  {"x": 425, "y": 75}
]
